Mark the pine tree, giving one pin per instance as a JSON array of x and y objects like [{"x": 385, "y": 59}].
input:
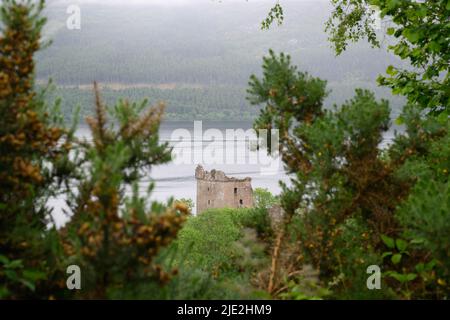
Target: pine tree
[
  {"x": 113, "y": 237},
  {"x": 29, "y": 138}
]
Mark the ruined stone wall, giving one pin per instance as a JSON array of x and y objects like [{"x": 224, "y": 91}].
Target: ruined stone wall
[{"x": 216, "y": 190}]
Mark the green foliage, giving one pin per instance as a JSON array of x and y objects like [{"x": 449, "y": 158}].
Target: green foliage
[
  {"x": 422, "y": 36},
  {"x": 424, "y": 214},
  {"x": 349, "y": 205},
  {"x": 264, "y": 199},
  {"x": 222, "y": 244},
  {"x": 351, "y": 21},
  {"x": 15, "y": 275},
  {"x": 405, "y": 276},
  {"x": 275, "y": 14},
  {"x": 421, "y": 33},
  {"x": 306, "y": 286},
  {"x": 283, "y": 86},
  {"x": 425, "y": 217},
  {"x": 348, "y": 199},
  {"x": 354, "y": 252},
  {"x": 399, "y": 245},
  {"x": 33, "y": 146},
  {"x": 210, "y": 235},
  {"x": 112, "y": 236},
  {"x": 257, "y": 219}
]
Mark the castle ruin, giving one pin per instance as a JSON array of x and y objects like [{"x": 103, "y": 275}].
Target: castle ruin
[{"x": 216, "y": 190}]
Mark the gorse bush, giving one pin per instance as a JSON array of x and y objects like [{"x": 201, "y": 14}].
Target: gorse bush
[
  {"x": 29, "y": 155},
  {"x": 112, "y": 237}
]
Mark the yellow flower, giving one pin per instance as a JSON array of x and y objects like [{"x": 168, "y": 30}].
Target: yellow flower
[{"x": 441, "y": 282}]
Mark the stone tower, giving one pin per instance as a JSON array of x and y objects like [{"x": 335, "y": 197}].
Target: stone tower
[{"x": 216, "y": 190}]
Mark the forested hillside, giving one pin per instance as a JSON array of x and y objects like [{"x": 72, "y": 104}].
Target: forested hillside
[{"x": 198, "y": 61}]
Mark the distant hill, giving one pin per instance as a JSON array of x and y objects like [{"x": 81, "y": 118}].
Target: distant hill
[{"x": 198, "y": 57}]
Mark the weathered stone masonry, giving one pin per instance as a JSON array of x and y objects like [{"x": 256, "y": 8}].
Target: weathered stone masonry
[{"x": 216, "y": 190}]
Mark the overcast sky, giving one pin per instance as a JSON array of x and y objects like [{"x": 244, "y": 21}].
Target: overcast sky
[
  {"x": 141, "y": 2},
  {"x": 160, "y": 2}
]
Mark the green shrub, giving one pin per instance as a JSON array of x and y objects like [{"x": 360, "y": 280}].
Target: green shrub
[
  {"x": 223, "y": 244},
  {"x": 264, "y": 199}
]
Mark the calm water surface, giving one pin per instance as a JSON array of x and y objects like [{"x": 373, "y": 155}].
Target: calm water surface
[{"x": 177, "y": 179}]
